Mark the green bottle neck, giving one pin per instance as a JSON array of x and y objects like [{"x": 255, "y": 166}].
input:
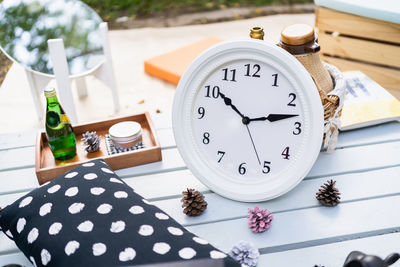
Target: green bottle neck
[{"x": 53, "y": 105}]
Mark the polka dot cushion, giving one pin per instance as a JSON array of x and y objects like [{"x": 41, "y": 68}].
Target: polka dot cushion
[{"x": 90, "y": 217}]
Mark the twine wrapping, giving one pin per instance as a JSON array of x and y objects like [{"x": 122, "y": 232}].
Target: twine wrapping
[
  {"x": 331, "y": 88},
  {"x": 332, "y": 107}
]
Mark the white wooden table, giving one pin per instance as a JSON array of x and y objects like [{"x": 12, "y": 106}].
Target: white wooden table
[{"x": 366, "y": 166}]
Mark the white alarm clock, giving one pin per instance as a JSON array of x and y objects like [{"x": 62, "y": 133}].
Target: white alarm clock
[{"x": 248, "y": 120}]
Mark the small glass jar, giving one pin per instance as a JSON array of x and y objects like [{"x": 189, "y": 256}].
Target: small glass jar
[{"x": 126, "y": 134}]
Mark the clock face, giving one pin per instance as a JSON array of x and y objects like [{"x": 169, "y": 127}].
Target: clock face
[{"x": 247, "y": 120}]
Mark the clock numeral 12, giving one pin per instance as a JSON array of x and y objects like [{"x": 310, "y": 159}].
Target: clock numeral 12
[
  {"x": 214, "y": 92},
  {"x": 256, "y": 67},
  {"x": 206, "y": 138},
  {"x": 275, "y": 80},
  {"x": 222, "y": 153},
  {"x": 285, "y": 153},
  {"x": 297, "y": 129},
  {"x": 242, "y": 169},
  {"x": 226, "y": 75}
]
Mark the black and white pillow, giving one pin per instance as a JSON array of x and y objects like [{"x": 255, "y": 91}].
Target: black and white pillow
[{"x": 90, "y": 217}]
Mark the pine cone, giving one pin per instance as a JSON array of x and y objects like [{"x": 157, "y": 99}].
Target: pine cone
[
  {"x": 259, "y": 220},
  {"x": 328, "y": 194},
  {"x": 92, "y": 141},
  {"x": 245, "y": 253},
  {"x": 193, "y": 202}
]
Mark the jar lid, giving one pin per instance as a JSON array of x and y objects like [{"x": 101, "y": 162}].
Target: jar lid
[
  {"x": 297, "y": 34},
  {"x": 125, "y": 130}
]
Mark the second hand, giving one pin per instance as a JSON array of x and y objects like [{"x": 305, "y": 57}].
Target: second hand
[{"x": 251, "y": 138}]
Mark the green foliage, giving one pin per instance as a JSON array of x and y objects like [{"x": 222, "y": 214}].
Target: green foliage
[{"x": 109, "y": 10}]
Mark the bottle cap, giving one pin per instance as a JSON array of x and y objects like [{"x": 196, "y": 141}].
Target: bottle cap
[
  {"x": 297, "y": 34},
  {"x": 257, "y": 33},
  {"x": 50, "y": 92}
]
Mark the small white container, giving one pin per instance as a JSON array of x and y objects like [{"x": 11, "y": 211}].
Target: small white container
[{"x": 126, "y": 134}]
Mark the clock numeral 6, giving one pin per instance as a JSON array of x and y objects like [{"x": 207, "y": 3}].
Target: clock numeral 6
[
  {"x": 201, "y": 112},
  {"x": 293, "y": 96},
  {"x": 222, "y": 153},
  {"x": 285, "y": 153},
  {"x": 256, "y": 67},
  {"x": 206, "y": 138},
  {"x": 242, "y": 169},
  {"x": 214, "y": 92},
  {"x": 266, "y": 167},
  {"x": 297, "y": 129}
]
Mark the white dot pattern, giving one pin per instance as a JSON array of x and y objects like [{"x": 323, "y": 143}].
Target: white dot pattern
[
  {"x": 55, "y": 228},
  {"x": 187, "y": 253},
  {"x": 71, "y": 247},
  {"x": 33, "y": 235},
  {"x": 71, "y": 192},
  {"x": 94, "y": 202},
  {"x": 86, "y": 226},
  {"x": 25, "y": 202},
  {"x": 45, "y": 256},
  {"x": 45, "y": 209},
  {"x": 53, "y": 189},
  {"x": 21, "y": 225},
  {"x": 161, "y": 248},
  {"x": 127, "y": 255},
  {"x": 99, "y": 249}
]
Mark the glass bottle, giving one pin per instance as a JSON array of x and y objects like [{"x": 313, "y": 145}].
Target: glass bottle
[{"x": 59, "y": 132}]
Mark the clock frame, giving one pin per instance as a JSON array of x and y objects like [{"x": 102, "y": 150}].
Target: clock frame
[{"x": 258, "y": 188}]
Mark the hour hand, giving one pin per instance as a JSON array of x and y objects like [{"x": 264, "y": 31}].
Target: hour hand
[
  {"x": 228, "y": 102},
  {"x": 275, "y": 117}
]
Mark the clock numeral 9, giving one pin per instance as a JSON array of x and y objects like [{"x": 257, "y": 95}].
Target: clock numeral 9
[
  {"x": 201, "y": 112},
  {"x": 256, "y": 67},
  {"x": 293, "y": 96},
  {"x": 266, "y": 167},
  {"x": 285, "y": 153},
  {"x": 214, "y": 92},
  {"x": 275, "y": 80},
  {"x": 206, "y": 138},
  {"x": 242, "y": 169},
  {"x": 297, "y": 129},
  {"x": 226, "y": 75}
]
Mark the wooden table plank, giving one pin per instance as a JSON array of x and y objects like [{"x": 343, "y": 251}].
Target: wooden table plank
[
  {"x": 353, "y": 187},
  {"x": 18, "y": 180},
  {"x": 359, "y": 158},
  {"x": 334, "y": 254},
  {"x": 14, "y": 140},
  {"x": 309, "y": 227},
  {"x": 15, "y": 258}
]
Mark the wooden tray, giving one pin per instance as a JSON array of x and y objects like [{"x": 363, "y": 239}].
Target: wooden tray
[{"x": 47, "y": 168}]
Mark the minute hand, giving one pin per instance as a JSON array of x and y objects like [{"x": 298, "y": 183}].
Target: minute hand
[{"x": 275, "y": 117}]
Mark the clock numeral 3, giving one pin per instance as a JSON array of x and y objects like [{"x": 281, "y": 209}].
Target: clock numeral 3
[
  {"x": 266, "y": 167},
  {"x": 275, "y": 80},
  {"x": 293, "y": 96},
  {"x": 222, "y": 153},
  {"x": 226, "y": 75},
  {"x": 297, "y": 129},
  {"x": 206, "y": 138},
  {"x": 201, "y": 112},
  {"x": 242, "y": 169},
  {"x": 214, "y": 92},
  {"x": 285, "y": 153},
  {"x": 256, "y": 67}
]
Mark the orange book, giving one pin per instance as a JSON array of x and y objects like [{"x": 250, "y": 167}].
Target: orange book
[{"x": 171, "y": 66}]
